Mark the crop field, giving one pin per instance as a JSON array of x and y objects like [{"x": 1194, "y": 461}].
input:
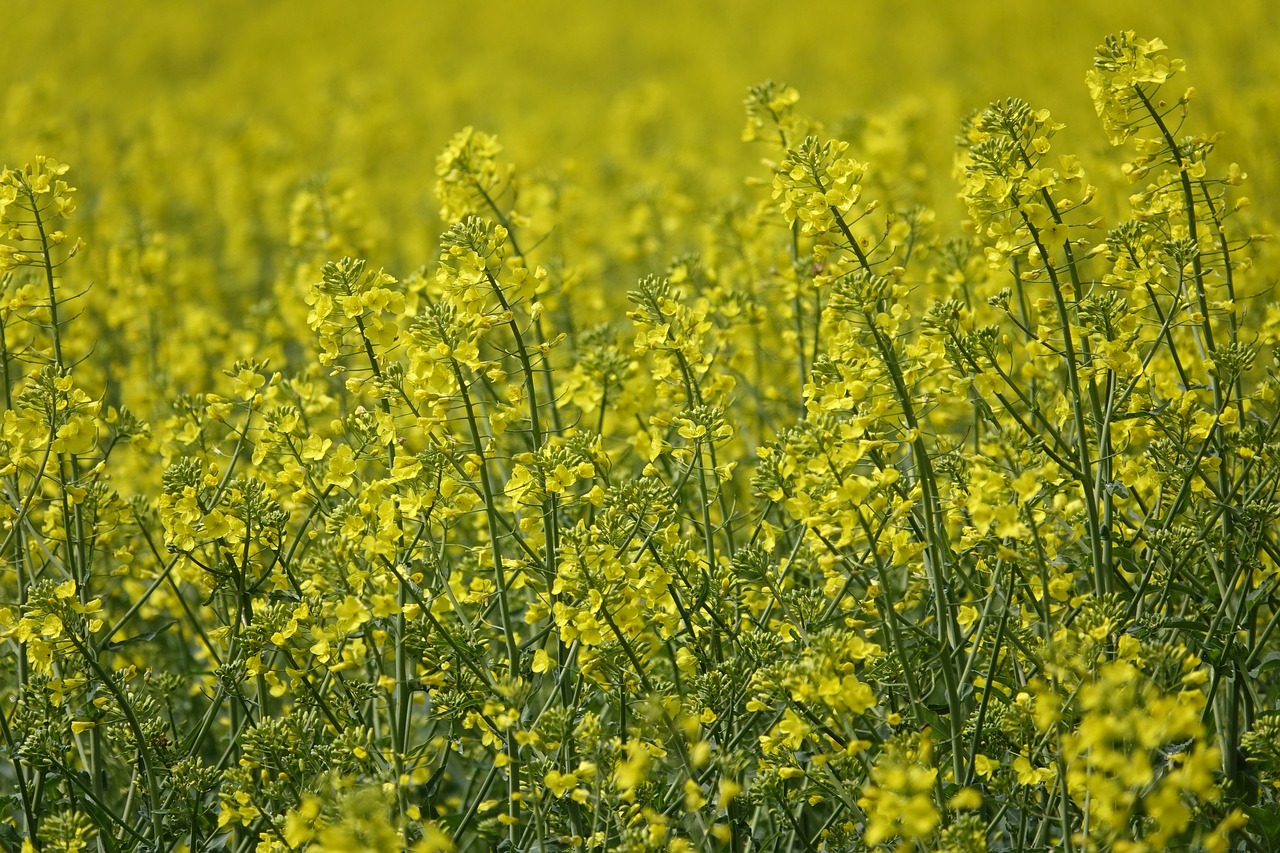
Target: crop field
[{"x": 684, "y": 426}]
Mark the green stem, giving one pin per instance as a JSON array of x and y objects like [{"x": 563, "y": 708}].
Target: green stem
[{"x": 144, "y": 748}]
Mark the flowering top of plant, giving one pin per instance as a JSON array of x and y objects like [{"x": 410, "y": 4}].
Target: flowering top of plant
[{"x": 862, "y": 530}]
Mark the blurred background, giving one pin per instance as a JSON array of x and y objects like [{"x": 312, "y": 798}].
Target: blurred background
[
  {"x": 192, "y": 128},
  {"x": 374, "y": 88}
]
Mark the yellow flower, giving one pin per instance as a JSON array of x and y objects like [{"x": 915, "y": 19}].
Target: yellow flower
[
  {"x": 560, "y": 783},
  {"x": 341, "y": 467},
  {"x": 434, "y": 840},
  {"x": 965, "y": 798},
  {"x": 299, "y": 823}
]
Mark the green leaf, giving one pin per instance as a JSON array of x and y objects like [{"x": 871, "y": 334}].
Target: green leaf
[{"x": 147, "y": 636}]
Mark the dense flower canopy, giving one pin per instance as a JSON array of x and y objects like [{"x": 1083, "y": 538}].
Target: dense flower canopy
[{"x": 417, "y": 435}]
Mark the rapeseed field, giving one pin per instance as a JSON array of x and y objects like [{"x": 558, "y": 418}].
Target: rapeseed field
[{"x": 720, "y": 426}]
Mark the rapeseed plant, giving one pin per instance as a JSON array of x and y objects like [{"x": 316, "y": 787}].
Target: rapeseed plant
[{"x": 842, "y": 525}]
